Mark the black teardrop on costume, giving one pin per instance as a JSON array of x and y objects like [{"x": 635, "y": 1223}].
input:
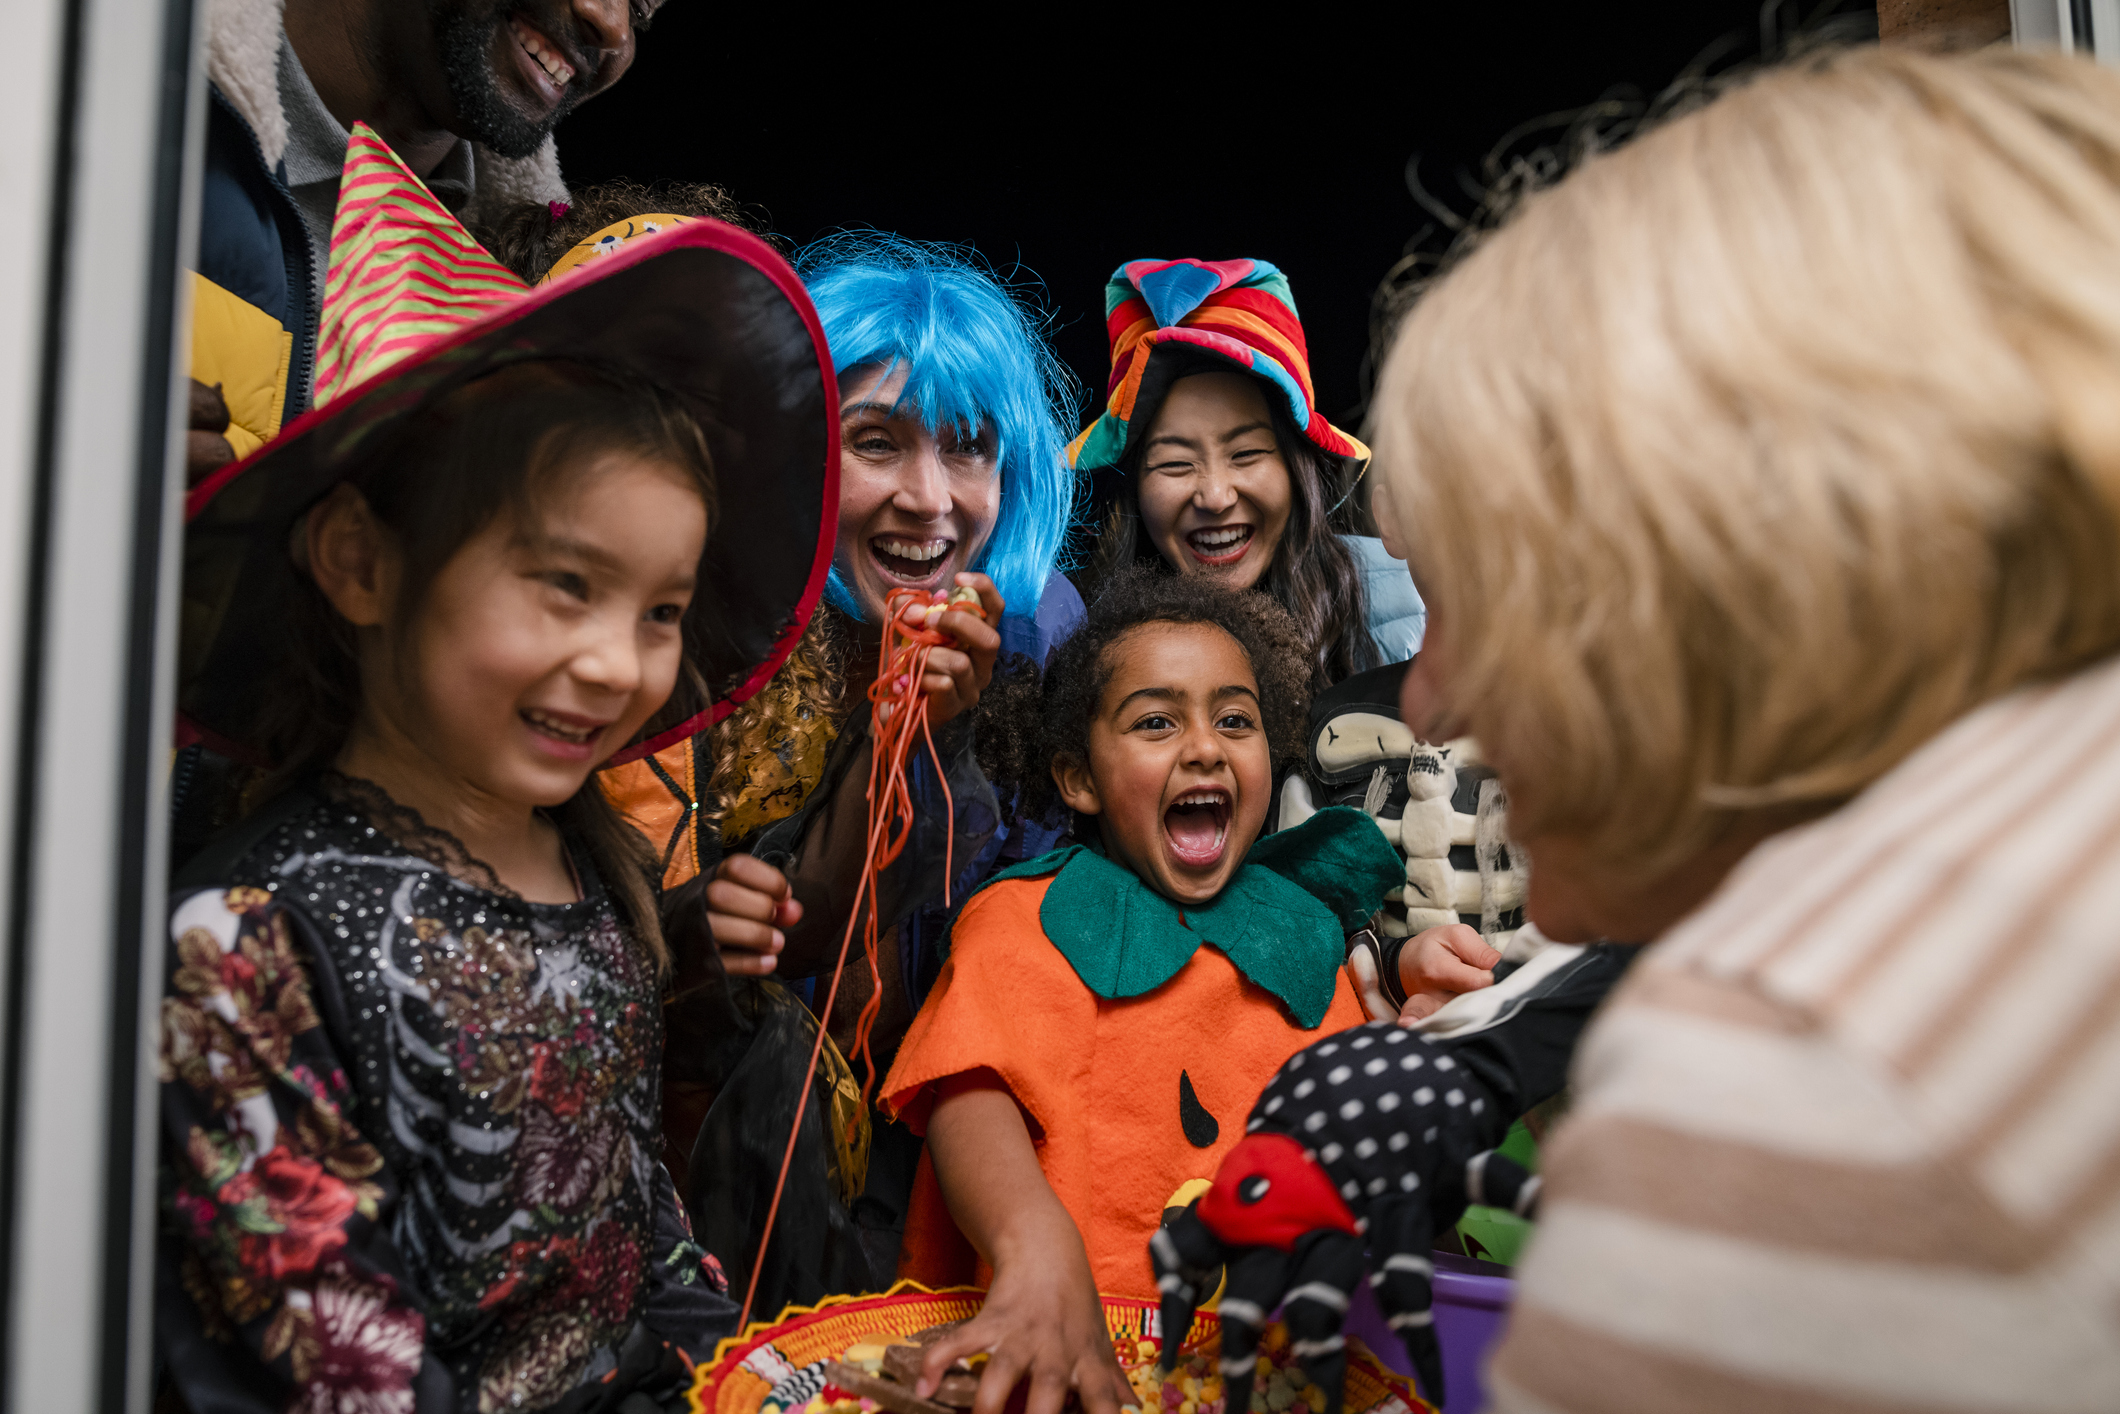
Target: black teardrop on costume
[{"x": 1201, "y": 1128}]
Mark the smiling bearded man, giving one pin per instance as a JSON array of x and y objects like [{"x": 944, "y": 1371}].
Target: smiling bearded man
[{"x": 467, "y": 92}]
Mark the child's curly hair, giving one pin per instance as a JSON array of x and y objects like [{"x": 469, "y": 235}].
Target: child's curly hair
[
  {"x": 531, "y": 236},
  {"x": 1026, "y": 720}
]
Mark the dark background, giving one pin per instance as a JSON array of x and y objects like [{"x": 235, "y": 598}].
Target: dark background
[{"x": 1061, "y": 146}]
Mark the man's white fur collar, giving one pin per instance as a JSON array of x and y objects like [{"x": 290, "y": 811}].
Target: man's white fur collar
[{"x": 242, "y": 59}]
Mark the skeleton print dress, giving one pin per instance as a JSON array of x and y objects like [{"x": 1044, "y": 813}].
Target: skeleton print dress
[{"x": 410, "y": 1130}]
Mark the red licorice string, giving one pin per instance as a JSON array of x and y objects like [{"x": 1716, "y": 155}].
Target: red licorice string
[{"x": 898, "y": 715}]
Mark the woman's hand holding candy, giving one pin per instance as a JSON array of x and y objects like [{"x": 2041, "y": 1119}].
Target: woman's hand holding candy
[{"x": 957, "y": 675}]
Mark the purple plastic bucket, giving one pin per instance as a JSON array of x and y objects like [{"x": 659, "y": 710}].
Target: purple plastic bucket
[{"x": 1471, "y": 1303}]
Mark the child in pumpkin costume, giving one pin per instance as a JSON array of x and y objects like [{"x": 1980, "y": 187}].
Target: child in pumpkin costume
[{"x": 1079, "y": 1017}]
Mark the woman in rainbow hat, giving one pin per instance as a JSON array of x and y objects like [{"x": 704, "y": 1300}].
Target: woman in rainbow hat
[{"x": 1224, "y": 466}]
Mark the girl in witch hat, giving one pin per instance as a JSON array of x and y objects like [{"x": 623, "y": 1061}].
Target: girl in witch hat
[
  {"x": 1214, "y": 459},
  {"x": 411, "y": 1032}
]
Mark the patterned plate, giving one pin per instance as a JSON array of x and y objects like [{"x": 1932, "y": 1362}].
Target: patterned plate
[{"x": 783, "y": 1362}]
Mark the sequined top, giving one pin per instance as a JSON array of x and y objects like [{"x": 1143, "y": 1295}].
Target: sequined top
[{"x": 410, "y": 1130}]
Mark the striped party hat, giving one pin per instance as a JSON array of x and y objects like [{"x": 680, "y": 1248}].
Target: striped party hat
[
  {"x": 1236, "y": 313},
  {"x": 414, "y": 312},
  {"x": 404, "y": 273}
]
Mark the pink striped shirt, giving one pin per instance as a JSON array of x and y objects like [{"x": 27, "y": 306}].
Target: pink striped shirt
[{"x": 1848, "y": 1139}]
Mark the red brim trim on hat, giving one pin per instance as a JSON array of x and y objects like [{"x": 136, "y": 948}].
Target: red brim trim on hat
[
  {"x": 820, "y": 561},
  {"x": 712, "y": 235},
  {"x": 1332, "y": 439}
]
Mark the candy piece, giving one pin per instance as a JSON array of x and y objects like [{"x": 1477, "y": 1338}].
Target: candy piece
[
  {"x": 897, "y": 1398},
  {"x": 957, "y": 1388},
  {"x": 930, "y": 1334}
]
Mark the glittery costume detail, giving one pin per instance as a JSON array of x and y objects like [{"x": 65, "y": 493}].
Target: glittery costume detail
[
  {"x": 386, "y": 1087},
  {"x": 410, "y": 828}
]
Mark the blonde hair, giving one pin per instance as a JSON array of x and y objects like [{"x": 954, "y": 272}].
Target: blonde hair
[{"x": 1749, "y": 456}]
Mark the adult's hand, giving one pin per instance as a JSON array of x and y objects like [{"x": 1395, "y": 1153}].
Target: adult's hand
[
  {"x": 956, "y": 676},
  {"x": 1438, "y": 965},
  {"x": 206, "y": 445}
]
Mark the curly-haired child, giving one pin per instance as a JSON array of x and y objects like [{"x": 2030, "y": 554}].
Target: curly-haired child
[{"x": 1083, "y": 1058}]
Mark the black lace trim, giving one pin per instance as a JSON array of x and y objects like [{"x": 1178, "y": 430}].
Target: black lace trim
[{"x": 410, "y": 829}]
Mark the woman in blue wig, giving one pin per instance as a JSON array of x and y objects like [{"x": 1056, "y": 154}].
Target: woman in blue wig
[
  {"x": 952, "y": 454},
  {"x": 952, "y": 471},
  {"x": 952, "y": 465}
]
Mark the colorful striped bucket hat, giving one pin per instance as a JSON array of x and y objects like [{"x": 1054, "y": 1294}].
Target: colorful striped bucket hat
[
  {"x": 1198, "y": 314},
  {"x": 415, "y": 309}
]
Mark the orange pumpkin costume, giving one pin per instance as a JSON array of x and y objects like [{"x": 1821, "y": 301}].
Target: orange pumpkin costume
[{"x": 1135, "y": 1053}]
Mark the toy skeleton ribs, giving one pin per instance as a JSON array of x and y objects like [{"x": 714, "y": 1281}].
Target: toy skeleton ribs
[
  {"x": 1440, "y": 806},
  {"x": 1368, "y": 1145}
]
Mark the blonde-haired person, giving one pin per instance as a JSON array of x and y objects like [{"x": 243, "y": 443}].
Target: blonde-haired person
[
  {"x": 1767, "y": 474},
  {"x": 1769, "y": 478}
]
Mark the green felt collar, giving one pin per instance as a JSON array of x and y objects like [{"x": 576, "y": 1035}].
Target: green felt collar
[{"x": 1283, "y": 920}]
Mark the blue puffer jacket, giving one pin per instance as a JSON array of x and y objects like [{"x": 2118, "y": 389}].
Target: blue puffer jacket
[
  {"x": 1397, "y": 617},
  {"x": 253, "y": 328}
]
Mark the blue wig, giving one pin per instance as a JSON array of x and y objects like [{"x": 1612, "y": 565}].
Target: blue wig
[{"x": 974, "y": 357}]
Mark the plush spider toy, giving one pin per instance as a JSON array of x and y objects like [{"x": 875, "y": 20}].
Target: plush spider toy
[
  {"x": 1376, "y": 1139},
  {"x": 1366, "y": 1147}
]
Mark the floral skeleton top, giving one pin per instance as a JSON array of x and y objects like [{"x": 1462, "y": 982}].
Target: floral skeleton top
[{"x": 410, "y": 1133}]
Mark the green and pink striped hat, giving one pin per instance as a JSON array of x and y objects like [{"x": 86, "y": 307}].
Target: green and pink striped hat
[{"x": 414, "y": 309}]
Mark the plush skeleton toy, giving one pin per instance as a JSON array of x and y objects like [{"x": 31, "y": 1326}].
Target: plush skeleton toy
[{"x": 1440, "y": 806}]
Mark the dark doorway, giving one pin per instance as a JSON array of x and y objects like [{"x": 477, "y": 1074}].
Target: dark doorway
[{"x": 1063, "y": 140}]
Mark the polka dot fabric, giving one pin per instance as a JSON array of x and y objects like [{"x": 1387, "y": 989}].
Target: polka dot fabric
[{"x": 1403, "y": 1125}]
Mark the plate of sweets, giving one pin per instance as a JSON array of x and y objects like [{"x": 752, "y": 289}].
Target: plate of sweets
[{"x": 862, "y": 1354}]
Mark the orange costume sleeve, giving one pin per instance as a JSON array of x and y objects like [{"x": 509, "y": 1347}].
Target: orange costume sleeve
[{"x": 1126, "y": 1099}]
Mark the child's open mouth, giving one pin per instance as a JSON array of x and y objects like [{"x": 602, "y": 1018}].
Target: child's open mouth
[
  {"x": 1221, "y": 544},
  {"x": 1197, "y": 825},
  {"x": 913, "y": 562}
]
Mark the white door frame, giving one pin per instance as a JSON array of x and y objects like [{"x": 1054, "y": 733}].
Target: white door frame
[
  {"x": 2069, "y": 25},
  {"x": 107, "y": 136}
]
